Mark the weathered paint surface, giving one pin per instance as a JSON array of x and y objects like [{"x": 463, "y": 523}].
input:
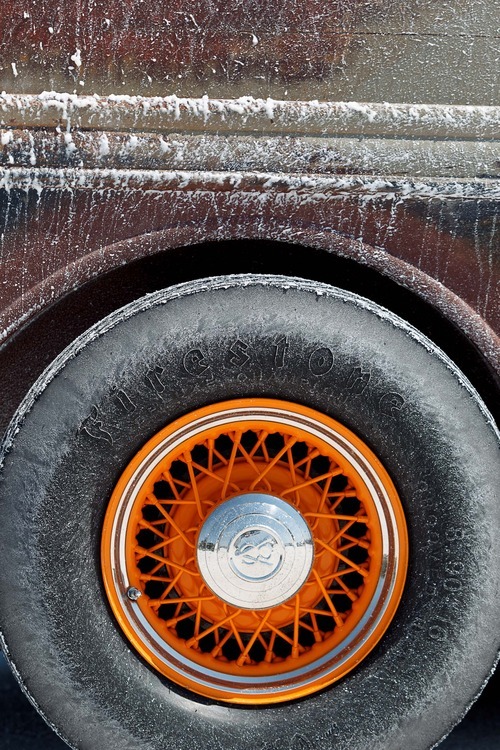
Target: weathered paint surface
[
  {"x": 430, "y": 51},
  {"x": 126, "y": 129}
]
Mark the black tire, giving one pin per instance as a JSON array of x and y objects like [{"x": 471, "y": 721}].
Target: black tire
[{"x": 130, "y": 375}]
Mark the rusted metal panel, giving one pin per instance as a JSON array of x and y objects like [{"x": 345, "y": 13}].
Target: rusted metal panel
[
  {"x": 249, "y": 115},
  {"x": 369, "y": 129},
  {"x": 431, "y": 158},
  {"x": 443, "y": 51}
]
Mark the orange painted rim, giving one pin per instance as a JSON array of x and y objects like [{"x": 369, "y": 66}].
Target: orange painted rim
[{"x": 243, "y": 655}]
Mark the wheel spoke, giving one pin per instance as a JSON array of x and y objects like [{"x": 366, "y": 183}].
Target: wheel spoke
[
  {"x": 314, "y": 480},
  {"x": 338, "y": 497},
  {"x": 251, "y": 463},
  {"x": 293, "y": 474},
  {"x": 357, "y": 542},
  {"x": 338, "y": 619},
  {"x": 230, "y": 465},
  {"x": 211, "y": 474},
  {"x": 273, "y": 462},
  {"x": 181, "y": 600},
  {"x": 219, "y": 646},
  {"x": 146, "y": 553},
  {"x": 243, "y": 656},
  {"x": 312, "y": 453},
  {"x": 342, "y": 557},
  {"x": 167, "y": 477},
  {"x": 270, "y": 648},
  {"x": 170, "y": 520},
  {"x": 194, "y": 485},
  {"x": 171, "y": 586},
  {"x": 324, "y": 495},
  {"x": 262, "y": 444},
  {"x": 177, "y": 619},
  {"x": 317, "y": 633},
  {"x": 346, "y": 590},
  {"x": 337, "y": 517},
  {"x": 227, "y": 619}
]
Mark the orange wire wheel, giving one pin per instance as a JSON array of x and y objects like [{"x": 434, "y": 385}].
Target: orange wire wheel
[{"x": 254, "y": 551}]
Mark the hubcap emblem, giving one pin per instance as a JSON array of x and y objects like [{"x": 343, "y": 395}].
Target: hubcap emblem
[{"x": 256, "y": 555}]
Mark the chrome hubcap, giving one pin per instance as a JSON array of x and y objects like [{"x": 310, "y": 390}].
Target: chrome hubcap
[{"x": 255, "y": 551}]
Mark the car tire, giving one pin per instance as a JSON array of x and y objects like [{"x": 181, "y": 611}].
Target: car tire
[{"x": 240, "y": 342}]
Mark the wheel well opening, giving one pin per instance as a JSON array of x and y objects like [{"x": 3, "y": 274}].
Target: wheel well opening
[{"x": 24, "y": 356}]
